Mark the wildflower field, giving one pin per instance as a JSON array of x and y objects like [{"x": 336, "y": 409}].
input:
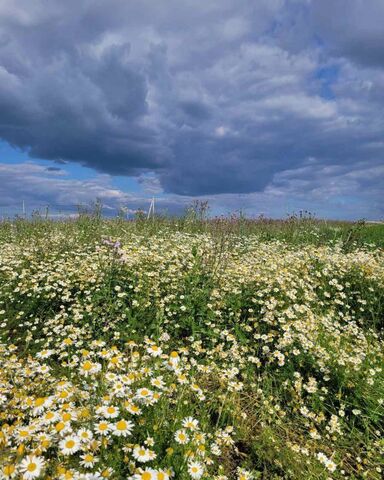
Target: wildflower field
[{"x": 143, "y": 351}]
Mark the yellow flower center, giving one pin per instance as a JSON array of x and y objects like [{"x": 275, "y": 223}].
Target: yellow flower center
[
  {"x": 87, "y": 366},
  {"x": 103, "y": 426},
  {"x": 146, "y": 476},
  {"x": 39, "y": 402},
  {"x": 9, "y": 469},
  {"x": 121, "y": 425},
  {"x": 59, "y": 426},
  {"x": 70, "y": 444},
  {"x": 111, "y": 410},
  {"x": 32, "y": 467}
]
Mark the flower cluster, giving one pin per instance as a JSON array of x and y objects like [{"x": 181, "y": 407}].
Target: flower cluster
[{"x": 178, "y": 356}]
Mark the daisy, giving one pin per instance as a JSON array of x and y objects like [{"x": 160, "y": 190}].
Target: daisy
[
  {"x": 114, "y": 362},
  {"x": 128, "y": 379},
  {"x": 85, "y": 435},
  {"x": 181, "y": 437},
  {"x": 144, "y": 395},
  {"x": 45, "y": 353},
  {"x": 23, "y": 434},
  {"x": 50, "y": 417},
  {"x": 122, "y": 428},
  {"x": 157, "y": 382},
  {"x": 182, "y": 378},
  {"x": 31, "y": 467},
  {"x": 190, "y": 423},
  {"x": 69, "y": 445},
  {"x": 119, "y": 389},
  {"x": 89, "y": 368},
  {"x": 195, "y": 469},
  {"x": 8, "y": 471},
  {"x": 142, "y": 454},
  {"x": 67, "y": 417},
  {"x": 132, "y": 408},
  {"x": 62, "y": 428},
  {"x": 103, "y": 428},
  {"x": 63, "y": 396},
  {"x": 44, "y": 369},
  {"x": 44, "y": 441},
  {"x": 161, "y": 475},
  {"x": 110, "y": 411},
  {"x": 40, "y": 404},
  {"x": 173, "y": 360},
  {"x": 91, "y": 476},
  {"x": 154, "y": 350},
  {"x": 244, "y": 474},
  {"x": 110, "y": 376},
  {"x": 88, "y": 460},
  {"x": 148, "y": 474}
]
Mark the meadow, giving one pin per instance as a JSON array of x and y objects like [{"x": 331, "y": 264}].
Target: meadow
[{"x": 191, "y": 348}]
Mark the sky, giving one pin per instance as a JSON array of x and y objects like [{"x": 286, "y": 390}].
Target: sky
[{"x": 260, "y": 106}]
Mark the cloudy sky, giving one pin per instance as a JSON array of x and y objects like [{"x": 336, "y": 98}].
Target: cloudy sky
[{"x": 268, "y": 106}]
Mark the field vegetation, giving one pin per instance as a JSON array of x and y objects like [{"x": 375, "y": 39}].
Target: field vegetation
[{"x": 191, "y": 348}]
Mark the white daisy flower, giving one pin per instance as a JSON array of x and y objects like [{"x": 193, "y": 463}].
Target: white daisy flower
[
  {"x": 40, "y": 404},
  {"x": 69, "y": 445},
  {"x": 31, "y": 467},
  {"x": 89, "y": 368},
  {"x": 132, "y": 408},
  {"x": 45, "y": 353},
  {"x": 110, "y": 411},
  {"x": 8, "y": 471},
  {"x": 142, "y": 454},
  {"x": 195, "y": 469},
  {"x": 122, "y": 428},
  {"x": 50, "y": 417},
  {"x": 161, "y": 475},
  {"x": 103, "y": 428},
  {"x": 88, "y": 460},
  {"x": 85, "y": 435},
  {"x": 144, "y": 395},
  {"x": 158, "y": 382},
  {"x": 148, "y": 474},
  {"x": 154, "y": 350},
  {"x": 191, "y": 423},
  {"x": 181, "y": 436}
]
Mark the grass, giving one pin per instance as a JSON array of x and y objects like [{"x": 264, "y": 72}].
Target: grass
[{"x": 222, "y": 348}]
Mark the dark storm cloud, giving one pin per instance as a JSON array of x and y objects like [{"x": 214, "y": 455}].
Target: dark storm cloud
[
  {"x": 215, "y": 98},
  {"x": 352, "y": 28}
]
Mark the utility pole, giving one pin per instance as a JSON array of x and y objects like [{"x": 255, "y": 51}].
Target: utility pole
[{"x": 24, "y": 209}]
